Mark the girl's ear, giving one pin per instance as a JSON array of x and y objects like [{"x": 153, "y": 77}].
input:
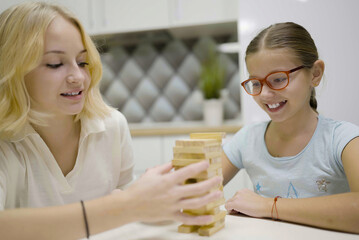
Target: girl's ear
[{"x": 317, "y": 72}]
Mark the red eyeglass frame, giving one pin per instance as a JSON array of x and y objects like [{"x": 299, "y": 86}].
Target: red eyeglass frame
[{"x": 264, "y": 80}]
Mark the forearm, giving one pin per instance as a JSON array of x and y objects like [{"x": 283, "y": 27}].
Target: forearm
[
  {"x": 337, "y": 212},
  {"x": 61, "y": 222}
]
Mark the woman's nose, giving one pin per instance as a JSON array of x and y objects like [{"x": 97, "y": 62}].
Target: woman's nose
[{"x": 76, "y": 75}]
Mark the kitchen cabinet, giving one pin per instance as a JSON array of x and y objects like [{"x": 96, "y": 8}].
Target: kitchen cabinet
[
  {"x": 150, "y": 151},
  {"x": 116, "y": 16},
  {"x": 119, "y": 16},
  {"x": 81, "y": 9},
  {"x": 6, "y": 4},
  {"x": 147, "y": 153},
  {"x": 198, "y": 12}
]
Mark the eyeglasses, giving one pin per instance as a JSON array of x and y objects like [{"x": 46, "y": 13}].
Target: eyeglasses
[{"x": 275, "y": 80}]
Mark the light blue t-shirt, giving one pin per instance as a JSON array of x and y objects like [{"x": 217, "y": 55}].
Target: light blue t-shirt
[{"x": 316, "y": 171}]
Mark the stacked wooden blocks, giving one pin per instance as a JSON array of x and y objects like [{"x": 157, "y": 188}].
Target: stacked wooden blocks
[{"x": 200, "y": 147}]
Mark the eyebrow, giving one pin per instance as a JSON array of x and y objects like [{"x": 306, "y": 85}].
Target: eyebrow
[{"x": 62, "y": 52}]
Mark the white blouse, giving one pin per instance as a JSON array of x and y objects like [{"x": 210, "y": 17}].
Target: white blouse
[{"x": 31, "y": 177}]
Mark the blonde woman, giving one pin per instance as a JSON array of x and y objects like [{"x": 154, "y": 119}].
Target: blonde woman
[{"x": 63, "y": 151}]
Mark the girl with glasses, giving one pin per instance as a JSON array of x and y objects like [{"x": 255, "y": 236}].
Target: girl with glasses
[
  {"x": 304, "y": 167},
  {"x": 64, "y": 154}
]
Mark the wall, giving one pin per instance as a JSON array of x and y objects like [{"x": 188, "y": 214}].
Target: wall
[
  {"x": 334, "y": 26},
  {"x": 154, "y": 77}
]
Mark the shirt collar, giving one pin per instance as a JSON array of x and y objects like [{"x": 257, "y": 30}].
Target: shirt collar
[
  {"x": 27, "y": 130},
  {"x": 88, "y": 126},
  {"x": 92, "y": 125}
]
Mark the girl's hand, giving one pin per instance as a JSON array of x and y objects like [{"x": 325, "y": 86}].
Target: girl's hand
[
  {"x": 160, "y": 194},
  {"x": 249, "y": 203}
]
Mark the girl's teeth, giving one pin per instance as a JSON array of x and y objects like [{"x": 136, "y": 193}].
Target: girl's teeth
[{"x": 273, "y": 105}]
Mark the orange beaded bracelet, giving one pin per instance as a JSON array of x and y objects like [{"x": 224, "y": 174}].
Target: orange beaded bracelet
[{"x": 274, "y": 206}]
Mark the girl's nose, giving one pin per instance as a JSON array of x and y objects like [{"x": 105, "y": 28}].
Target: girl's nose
[{"x": 266, "y": 91}]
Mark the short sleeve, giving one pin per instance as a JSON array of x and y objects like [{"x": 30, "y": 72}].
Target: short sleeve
[
  {"x": 343, "y": 133},
  {"x": 233, "y": 148},
  {"x": 127, "y": 156}
]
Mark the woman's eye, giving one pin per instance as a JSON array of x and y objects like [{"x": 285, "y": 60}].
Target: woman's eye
[
  {"x": 83, "y": 64},
  {"x": 54, "y": 65}
]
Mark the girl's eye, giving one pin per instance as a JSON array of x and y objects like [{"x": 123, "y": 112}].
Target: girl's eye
[
  {"x": 54, "y": 65},
  {"x": 83, "y": 64}
]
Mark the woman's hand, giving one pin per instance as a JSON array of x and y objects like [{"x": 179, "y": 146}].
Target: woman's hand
[
  {"x": 249, "y": 203},
  {"x": 160, "y": 194}
]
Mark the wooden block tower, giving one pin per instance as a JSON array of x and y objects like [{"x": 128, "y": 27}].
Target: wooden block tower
[{"x": 202, "y": 146}]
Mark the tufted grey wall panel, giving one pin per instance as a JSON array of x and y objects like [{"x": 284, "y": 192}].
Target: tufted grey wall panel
[{"x": 148, "y": 83}]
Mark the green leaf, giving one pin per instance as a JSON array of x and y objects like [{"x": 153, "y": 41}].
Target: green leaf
[{"x": 212, "y": 76}]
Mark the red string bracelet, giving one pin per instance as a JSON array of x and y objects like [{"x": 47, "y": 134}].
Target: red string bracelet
[{"x": 274, "y": 206}]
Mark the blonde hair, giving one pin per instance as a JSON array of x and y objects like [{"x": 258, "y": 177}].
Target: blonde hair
[{"x": 22, "y": 31}]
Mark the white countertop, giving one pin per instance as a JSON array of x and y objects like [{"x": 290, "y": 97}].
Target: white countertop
[{"x": 236, "y": 227}]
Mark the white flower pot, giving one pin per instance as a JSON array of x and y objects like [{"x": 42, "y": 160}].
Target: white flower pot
[{"x": 213, "y": 112}]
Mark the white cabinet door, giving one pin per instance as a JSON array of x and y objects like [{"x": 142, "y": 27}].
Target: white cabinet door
[
  {"x": 130, "y": 15},
  {"x": 147, "y": 153},
  {"x": 81, "y": 9},
  {"x": 196, "y": 12},
  {"x": 6, "y": 4}
]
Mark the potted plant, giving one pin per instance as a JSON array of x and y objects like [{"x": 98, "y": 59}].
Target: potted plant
[{"x": 211, "y": 83}]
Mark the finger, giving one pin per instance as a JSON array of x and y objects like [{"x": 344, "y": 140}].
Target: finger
[
  {"x": 230, "y": 206},
  {"x": 199, "y": 188},
  {"x": 189, "y": 171},
  {"x": 161, "y": 169},
  {"x": 233, "y": 212},
  {"x": 194, "y": 220},
  {"x": 193, "y": 203}
]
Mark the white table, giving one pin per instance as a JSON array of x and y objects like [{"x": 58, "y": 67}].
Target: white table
[{"x": 236, "y": 227}]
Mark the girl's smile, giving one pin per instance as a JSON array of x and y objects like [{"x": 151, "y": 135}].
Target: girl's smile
[
  {"x": 286, "y": 103},
  {"x": 274, "y": 107}
]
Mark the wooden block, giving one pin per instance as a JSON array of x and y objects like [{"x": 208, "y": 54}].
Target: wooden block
[
  {"x": 219, "y": 216},
  {"x": 197, "y": 142},
  {"x": 185, "y": 162},
  {"x": 215, "y": 160},
  {"x": 187, "y": 228},
  {"x": 212, "y": 211},
  {"x": 181, "y": 149},
  {"x": 219, "y": 172},
  {"x": 210, "y": 230},
  {"x": 181, "y": 162},
  {"x": 210, "y": 135},
  {"x": 209, "y": 206},
  {"x": 211, "y": 171},
  {"x": 203, "y": 156}
]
